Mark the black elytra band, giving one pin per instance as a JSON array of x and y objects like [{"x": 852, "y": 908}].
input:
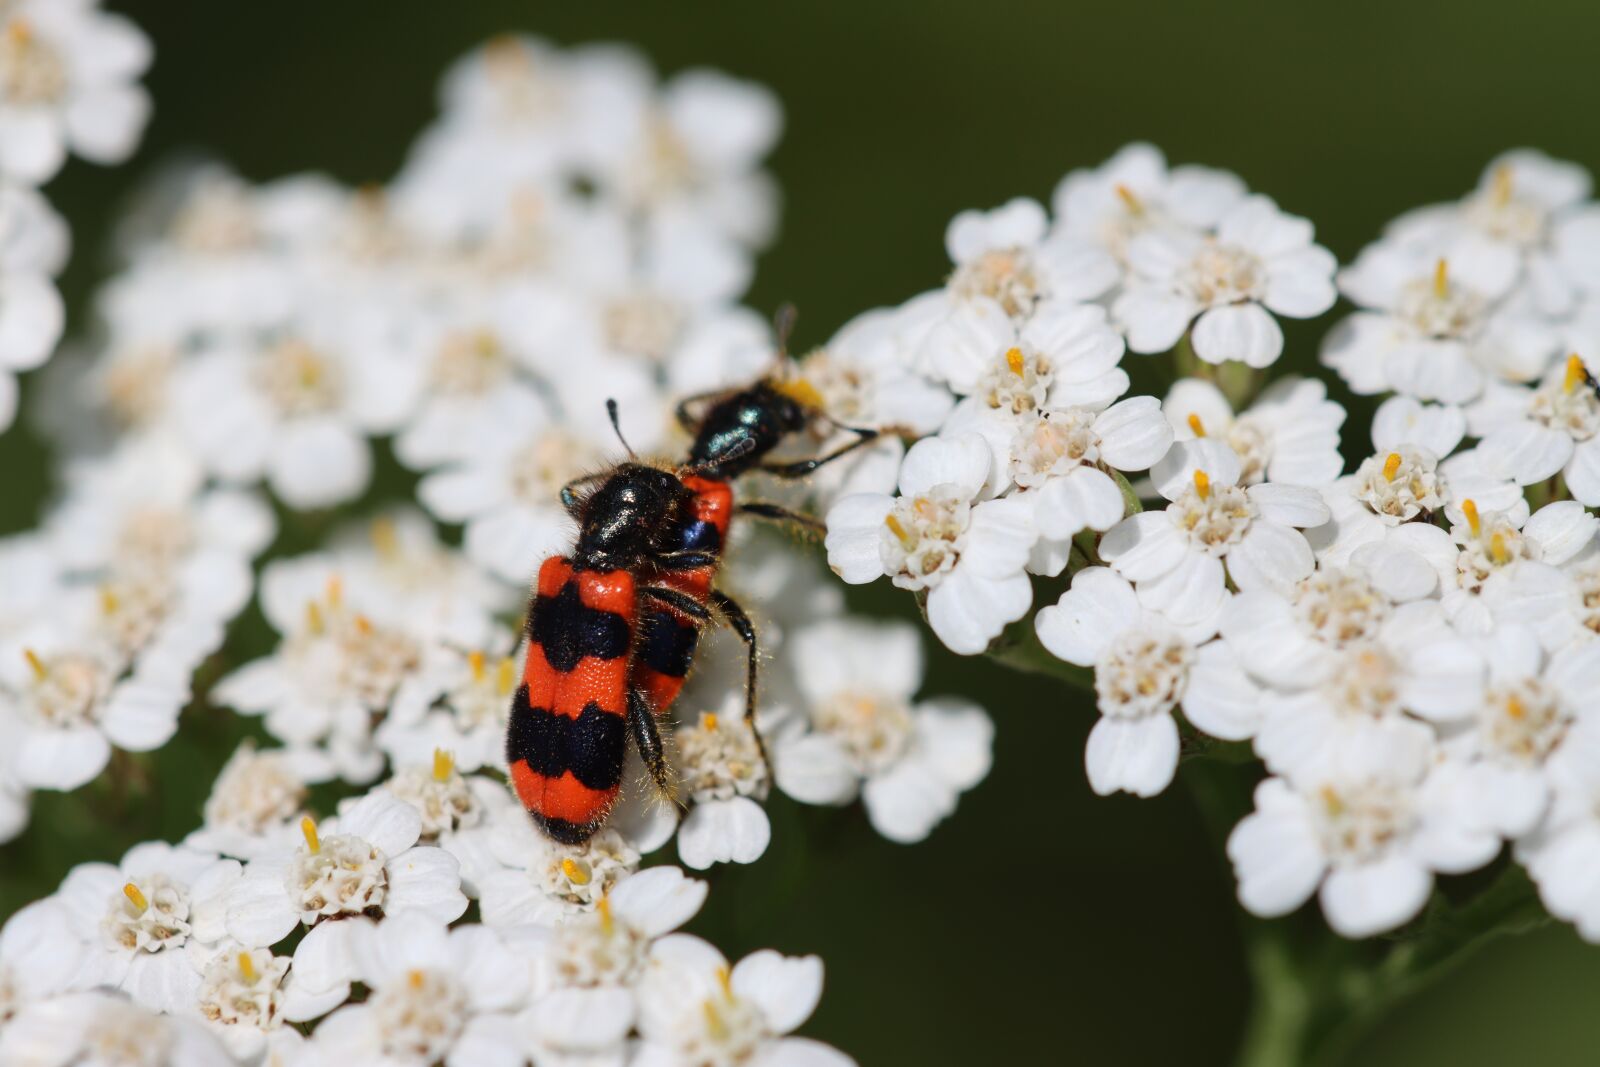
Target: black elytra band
[
  {"x": 592, "y": 746},
  {"x": 568, "y": 629}
]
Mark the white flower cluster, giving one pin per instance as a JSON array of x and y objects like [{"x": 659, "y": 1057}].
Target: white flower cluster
[
  {"x": 569, "y": 230},
  {"x": 109, "y": 609},
  {"x": 1410, "y": 648},
  {"x": 68, "y": 84},
  {"x": 177, "y": 955},
  {"x": 1031, "y": 436}
]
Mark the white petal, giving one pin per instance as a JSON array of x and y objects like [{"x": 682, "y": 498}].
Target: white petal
[
  {"x": 1137, "y": 756},
  {"x": 1434, "y": 370},
  {"x": 800, "y": 1052},
  {"x": 1079, "y": 627},
  {"x": 723, "y": 831},
  {"x": 1360, "y": 901},
  {"x": 495, "y": 976},
  {"x": 1444, "y": 681},
  {"x": 1398, "y": 572},
  {"x": 962, "y": 462},
  {"x": 31, "y": 319},
  {"x": 1000, "y": 534},
  {"x": 1019, "y": 222},
  {"x": 955, "y": 739},
  {"x": 786, "y": 988},
  {"x": 1144, "y": 546},
  {"x": 428, "y": 879},
  {"x": 104, "y": 125},
  {"x": 1190, "y": 595},
  {"x": 1526, "y": 452},
  {"x": 1084, "y": 498},
  {"x": 59, "y": 759},
  {"x": 507, "y": 899},
  {"x": 960, "y": 349},
  {"x": 1076, "y": 270},
  {"x": 814, "y": 769},
  {"x": 487, "y": 1041},
  {"x": 1090, "y": 394},
  {"x": 1401, "y": 421},
  {"x": 658, "y": 900},
  {"x": 300, "y": 1005},
  {"x": 1274, "y": 853},
  {"x": 583, "y": 1018},
  {"x": 1152, "y": 317},
  {"x": 855, "y": 536},
  {"x": 32, "y": 145},
  {"x": 325, "y": 959},
  {"x": 1290, "y": 505},
  {"x": 381, "y": 819},
  {"x": 1220, "y": 698},
  {"x": 1256, "y": 224},
  {"x": 1243, "y": 332},
  {"x": 1174, "y": 475},
  {"x": 459, "y": 493},
  {"x": 1583, "y": 473},
  {"x": 1133, "y": 433},
  {"x": 1300, "y": 284},
  {"x": 1575, "y": 672},
  {"x": 1081, "y": 346},
  {"x": 1561, "y": 530},
  {"x": 143, "y": 715},
  {"x": 165, "y": 981},
  {"x": 318, "y": 462},
  {"x": 907, "y": 801},
  {"x": 259, "y": 910},
  {"x": 968, "y": 610},
  {"x": 1270, "y": 556}
]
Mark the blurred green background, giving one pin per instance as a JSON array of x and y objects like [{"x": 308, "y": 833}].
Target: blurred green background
[{"x": 1040, "y": 923}]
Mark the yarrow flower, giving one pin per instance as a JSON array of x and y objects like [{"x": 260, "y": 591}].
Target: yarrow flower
[
  {"x": 1135, "y": 192},
  {"x": 1438, "y": 321},
  {"x": 1007, "y": 256},
  {"x": 1142, "y": 661},
  {"x": 1290, "y": 433},
  {"x": 586, "y": 972},
  {"x": 67, "y": 83},
  {"x": 694, "y": 1008},
  {"x": 1225, "y": 281},
  {"x": 364, "y": 862},
  {"x": 1368, "y": 842},
  {"x": 1178, "y": 556},
  {"x": 438, "y": 995},
  {"x": 908, "y": 761},
  {"x": 939, "y": 535},
  {"x": 724, "y": 778},
  {"x": 1529, "y": 210}
]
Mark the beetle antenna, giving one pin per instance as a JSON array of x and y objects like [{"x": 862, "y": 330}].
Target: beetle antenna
[
  {"x": 783, "y": 325},
  {"x": 611, "y": 410},
  {"x": 745, "y": 446}
]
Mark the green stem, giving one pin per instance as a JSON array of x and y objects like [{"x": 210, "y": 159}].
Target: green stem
[
  {"x": 1238, "y": 381},
  {"x": 1280, "y": 1010},
  {"x": 1131, "y": 504},
  {"x": 1186, "y": 363},
  {"x": 1314, "y": 994}
]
